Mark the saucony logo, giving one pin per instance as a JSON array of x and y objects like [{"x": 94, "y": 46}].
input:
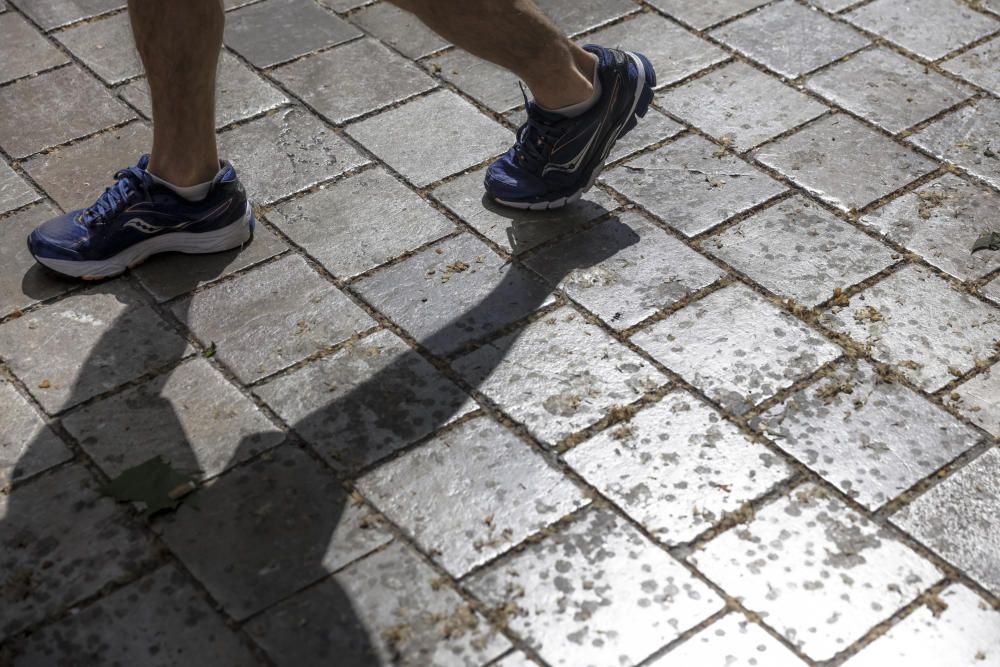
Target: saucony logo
[{"x": 147, "y": 227}]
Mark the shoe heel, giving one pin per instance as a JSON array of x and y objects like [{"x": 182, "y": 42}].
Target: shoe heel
[{"x": 646, "y": 98}]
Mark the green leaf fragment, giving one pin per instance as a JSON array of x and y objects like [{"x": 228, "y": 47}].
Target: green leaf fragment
[
  {"x": 154, "y": 483},
  {"x": 988, "y": 241},
  {"x": 210, "y": 351}
]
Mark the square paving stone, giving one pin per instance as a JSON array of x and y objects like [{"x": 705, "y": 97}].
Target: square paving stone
[
  {"x": 889, "y": 90},
  {"x": 692, "y": 185},
  {"x": 816, "y": 571},
  {"x": 14, "y": 190},
  {"x": 534, "y": 376},
  {"x": 390, "y": 608},
  {"x": 932, "y": 29},
  {"x": 700, "y": 14},
  {"x": 791, "y": 39},
  {"x": 843, "y": 162},
  {"x": 330, "y": 82},
  {"x": 432, "y": 137},
  {"x": 576, "y": 16},
  {"x": 870, "y": 438},
  {"x": 596, "y": 592},
  {"x": 471, "y": 494},
  {"x": 960, "y": 520},
  {"x": 800, "y": 251},
  {"x": 160, "y": 620},
  {"x": 25, "y": 50},
  {"x": 677, "y": 467},
  {"x": 740, "y": 105},
  {"x": 969, "y": 138},
  {"x": 274, "y": 31},
  {"x": 453, "y": 294},
  {"x": 489, "y": 84},
  {"x": 992, "y": 290},
  {"x": 61, "y": 541},
  {"x": 366, "y": 401},
  {"x": 979, "y": 400},
  {"x": 963, "y": 631},
  {"x": 27, "y": 445},
  {"x": 62, "y": 93},
  {"x": 51, "y": 14},
  {"x": 87, "y": 344},
  {"x": 654, "y": 128},
  {"x": 399, "y": 29},
  {"x": 22, "y": 281},
  {"x": 918, "y": 323},
  {"x": 286, "y": 152},
  {"x": 940, "y": 221},
  {"x": 979, "y": 65},
  {"x": 105, "y": 46},
  {"x": 360, "y": 222},
  {"x": 271, "y": 317},
  {"x": 625, "y": 269},
  {"x": 736, "y": 347},
  {"x": 731, "y": 642},
  {"x": 288, "y": 518}
]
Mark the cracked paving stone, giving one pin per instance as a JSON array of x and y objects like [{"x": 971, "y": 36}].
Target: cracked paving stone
[
  {"x": 160, "y": 620},
  {"x": 791, "y": 39},
  {"x": 918, "y": 323},
  {"x": 654, "y": 128},
  {"x": 271, "y": 317},
  {"x": 290, "y": 520},
  {"x": 815, "y": 570},
  {"x": 105, "y": 46},
  {"x": 399, "y": 29},
  {"x": 576, "y": 16},
  {"x": 958, "y": 519},
  {"x": 532, "y": 377},
  {"x": 962, "y": 630},
  {"x": 979, "y": 400},
  {"x": 692, "y": 185},
  {"x": 700, "y": 14},
  {"x": 800, "y": 251},
  {"x": 14, "y": 190},
  {"x": 389, "y": 608},
  {"x": 401, "y": 399},
  {"x": 27, "y": 445},
  {"x": 625, "y": 269},
  {"x": 677, "y": 467},
  {"x": 844, "y": 162},
  {"x": 737, "y": 347},
  {"x": 595, "y": 592},
  {"x": 51, "y": 14},
  {"x": 87, "y": 344},
  {"x": 61, "y": 542},
  {"x": 471, "y": 494},
  {"x": 23, "y": 282},
  {"x": 740, "y": 105},
  {"x": 731, "y": 642},
  {"x": 978, "y": 65},
  {"x": 969, "y": 138},
  {"x": 25, "y": 51},
  {"x": 489, "y": 84},
  {"x": 889, "y": 90},
  {"x": 869, "y": 437}
]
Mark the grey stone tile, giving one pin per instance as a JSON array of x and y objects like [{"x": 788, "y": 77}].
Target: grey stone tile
[
  {"x": 958, "y": 519},
  {"x": 366, "y": 401},
  {"x": 354, "y": 79},
  {"x": 736, "y": 347},
  {"x": 889, "y": 90},
  {"x": 432, "y": 137},
  {"x": 677, "y": 467},
  {"x": 992, "y": 290},
  {"x": 920, "y": 324},
  {"x": 700, "y": 15},
  {"x": 791, "y": 39},
  {"x": 14, "y": 190},
  {"x": 833, "y": 5},
  {"x": 798, "y": 250},
  {"x": 274, "y": 31},
  {"x": 740, "y": 105},
  {"x": 453, "y": 294},
  {"x": 402, "y": 615},
  {"x": 940, "y": 221},
  {"x": 932, "y": 31},
  {"x": 531, "y": 376},
  {"x": 158, "y": 621},
  {"x": 979, "y": 65},
  {"x": 968, "y": 138},
  {"x": 624, "y": 269},
  {"x": 51, "y": 14},
  {"x": 869, "y": 437},
  {"x": 286, "y": 152},
  {"x": 342, "y": 5},
  {"x": 979, "y": 400},
  {"x": 27, "y": 445},
  {"x": 489, "y": 84},
  {"x": 399, "y": 29},
  {"x": 500, "y": 492},
  {"x": 862, "y": 167},
  {"x": 88, "y": 344},
  {"x": 25, "y": 50},
  {"x": 815, "y": 570},
  {"x": 83, "y": 543},
  {"x": 576, "y": 16},
  {"x": 105, "y": 46},
  {"x": 655, "y": 127},
  {"x": 62, "y": 93},
  {"x": 360, "y": 222},
  {"x": 271, "y": 317},
  {"x": 22, "y": 282},
  {"x": 733, "y": 642},
  {"x": 963, "y": 630},
  {"x": 692, "y": 185},
  {"x": 516, "y": 659},
  {"x": 595, "y": 592},
  {"x": 289, "y": 519}
]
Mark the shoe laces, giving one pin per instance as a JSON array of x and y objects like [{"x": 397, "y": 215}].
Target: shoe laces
[
  {"x": 129, "y": 182},
  {"x": 536, "y": 137}
]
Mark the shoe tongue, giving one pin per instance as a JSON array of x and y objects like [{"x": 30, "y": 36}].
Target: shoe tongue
[{"x": 226, "y": 173}]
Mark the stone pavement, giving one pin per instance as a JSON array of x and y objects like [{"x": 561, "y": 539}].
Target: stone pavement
[{"x": 738, "y": 407}]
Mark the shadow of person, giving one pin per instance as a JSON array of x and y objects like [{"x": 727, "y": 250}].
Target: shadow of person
[{"x": 265, "y": 530}]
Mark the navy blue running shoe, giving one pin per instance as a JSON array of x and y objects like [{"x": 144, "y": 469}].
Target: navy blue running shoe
[
  {"x": 136, "y": 218},
  {"x": 556, "y": 159}
]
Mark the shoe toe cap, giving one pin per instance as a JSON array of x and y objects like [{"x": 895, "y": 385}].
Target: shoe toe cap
[{"x": 58, "y": 238}]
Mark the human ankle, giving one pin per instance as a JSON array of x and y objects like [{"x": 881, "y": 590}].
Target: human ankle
[
  {"x": 572, "y": 86},
  {"x": 183, "y": 175}
]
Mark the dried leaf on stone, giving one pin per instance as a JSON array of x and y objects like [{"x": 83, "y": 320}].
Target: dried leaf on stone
[
  {"x": 988, "y": 241},
  {"x": 154, "y": 483}
]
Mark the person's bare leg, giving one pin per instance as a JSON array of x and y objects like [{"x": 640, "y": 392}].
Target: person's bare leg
[
  {"x": 516, "y": 35},
  {"x": 179, "y": 42}
]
